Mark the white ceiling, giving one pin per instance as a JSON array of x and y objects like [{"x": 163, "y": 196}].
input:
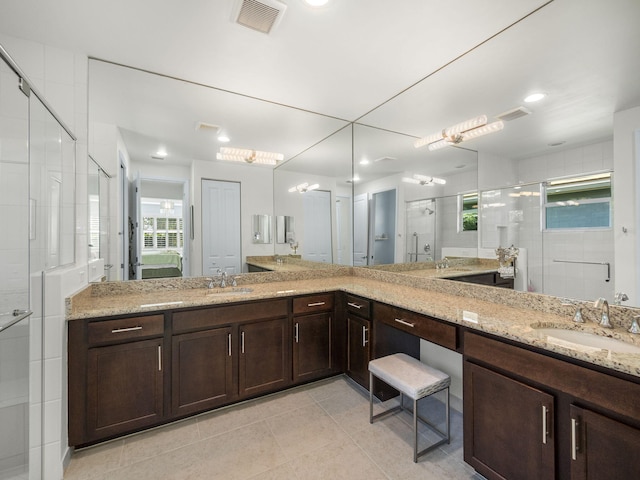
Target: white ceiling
[{"x": 342, "y": 62}]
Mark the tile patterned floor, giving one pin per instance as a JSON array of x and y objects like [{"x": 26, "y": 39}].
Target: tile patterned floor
[{"x": 318, "y": 431}]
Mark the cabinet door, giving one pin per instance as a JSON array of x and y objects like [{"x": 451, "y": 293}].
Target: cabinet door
[
  {"x": 508, "y": 430},
  {"x": 124, "y": 387},
  {"x": 311, "y": 346},
  {"x": 602, "y": 447},
  {"x": 202, "y": 370},
  {"x": 358, "y": 345},
  {"x": 265, "y": 356}
]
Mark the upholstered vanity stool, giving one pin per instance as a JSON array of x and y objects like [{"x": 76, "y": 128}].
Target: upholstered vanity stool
[{"x": 415, "y": 380}]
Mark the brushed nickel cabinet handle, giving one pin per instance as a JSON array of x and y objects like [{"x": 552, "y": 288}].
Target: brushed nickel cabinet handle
[
  {"x": 354, "y": 305},
  {"x": 229, "y": 342},
  {"x": 296, "y": 331},
  {"x": 159, "y": 358},
  {"x": 242, "y": 342},
  {"x": 545, "y": 432},
  {"x": 317, "y": 304},
  {"x": 404, "y": 322},
  {"x": 364, "y": 336},
  {"x": 128, "y": 329},
  {"x": 574, "y": 439}
]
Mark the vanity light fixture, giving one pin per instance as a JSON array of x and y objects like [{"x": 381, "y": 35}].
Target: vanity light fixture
[
  {"x": 424, "y": 180},
  {"x": 316, "y": 3},
  {"x": 303, "y": 188},
  {"x": 161, "y": 154},
  {"x": 249, "y": 156},
  {"x": 534, "y": 97},
  {"x": 459, "y": 132}
]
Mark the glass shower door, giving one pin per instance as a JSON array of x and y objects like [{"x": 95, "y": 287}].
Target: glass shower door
[{"x": 15, "y": 401}]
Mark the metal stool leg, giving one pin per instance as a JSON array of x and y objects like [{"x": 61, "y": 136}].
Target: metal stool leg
[
  {"x": 415, "y": 431},
  {"x": 370, "y": 397}
]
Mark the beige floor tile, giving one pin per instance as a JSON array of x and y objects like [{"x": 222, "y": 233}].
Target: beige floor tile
[
  {"x": 343, "y": 460},
  {"x": 238, "y": 454},
  {"x": 344, "y": 401},
  {"x": 93, "y": 463},
  {"x": 227, "y": 419},
  {"x": 158, "y": 441},
  {"x": 334, "y": 386},
  {"x": 284, "y": 402},
  {"x": 168, "y": 466},
  {"x": 319, "y": 431},
  {"x": 304, "y": 430},
  {"x": 281, "y": 472}
]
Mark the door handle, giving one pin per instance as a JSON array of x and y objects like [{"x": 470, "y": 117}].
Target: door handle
[
  {"x": 404, "y": 322},
  {"x": 574, "y": 439},
  {"x": 545, "y": 431}
]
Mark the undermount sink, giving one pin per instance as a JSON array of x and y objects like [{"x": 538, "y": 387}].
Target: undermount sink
[
  {"x": 584, "y": 341},
  {"x": 217, "y": 292}
]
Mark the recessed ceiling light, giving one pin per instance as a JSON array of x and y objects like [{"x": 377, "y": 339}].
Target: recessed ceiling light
[
  {"x": 223, "y": 138},
  {"x": 316, "y": 3},
  {"x": 364, "y": 161},
  {"x": 534, "y": 97},
  {"x": 161, "y": 153}
]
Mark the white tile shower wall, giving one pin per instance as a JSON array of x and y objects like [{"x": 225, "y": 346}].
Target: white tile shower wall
[{"x": 61, "y": 76}]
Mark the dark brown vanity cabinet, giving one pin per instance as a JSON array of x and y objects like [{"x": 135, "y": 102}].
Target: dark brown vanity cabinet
[
  {"x": 358, "y": 338},
  {"x": 602, "y": 447},
  {"x": 264, "y": 356},
  {"x": 116, "y": 376},
  {"x": 313, "y": 318},
  {"x": 531, "y": 415},
  {"x": 511, "y": 424},
  {"x": 223, "y": 353},
  {"x": 202, "y": 370}
]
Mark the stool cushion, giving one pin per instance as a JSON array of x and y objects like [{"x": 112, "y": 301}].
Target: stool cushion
[{"x": 407, "y": 374}]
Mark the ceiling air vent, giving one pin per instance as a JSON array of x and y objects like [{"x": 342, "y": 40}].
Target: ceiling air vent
[
  {"x": 514, "y": 113},
  {"x": 262, "y": 16}
]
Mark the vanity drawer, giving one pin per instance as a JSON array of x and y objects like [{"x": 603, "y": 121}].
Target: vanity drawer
[
  {"x": 420, "y": 325},
  {"x": 114, "y": 331},
  {"x": 203, "y": 318},
  {"x": 313, "y": 303},
  {"x": 359, "y": 306}
]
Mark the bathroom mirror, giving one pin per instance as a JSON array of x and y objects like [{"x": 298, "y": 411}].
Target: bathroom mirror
[
  {"x": 285, "y": 229},
  {"x": 262, "y": 229}
]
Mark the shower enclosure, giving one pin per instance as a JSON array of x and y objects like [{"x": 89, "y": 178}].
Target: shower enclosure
[
  {"x": 37, "y": 209},
  {"x": 420, "y": 232}
]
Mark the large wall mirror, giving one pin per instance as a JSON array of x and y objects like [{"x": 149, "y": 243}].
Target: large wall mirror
[
  {"x": 565, "y": 139},
  {"x": 152, "y": 133},
  {"x": 366, "y": 212}
]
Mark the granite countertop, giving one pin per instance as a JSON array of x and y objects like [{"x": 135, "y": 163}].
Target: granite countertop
[
  {"x": 505, "y": 313},
  {"x": 287, "y": 263}
]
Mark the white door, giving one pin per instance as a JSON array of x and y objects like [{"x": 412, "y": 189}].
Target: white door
[
  {"x": 317, "y": 227},
  {"x": 360, "y": 230},
  {"x": 221, "y": 245}
]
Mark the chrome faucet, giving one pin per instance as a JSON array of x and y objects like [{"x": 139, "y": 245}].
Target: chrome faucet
[
  {"x": 604, "y": 318},
  {"x": 223, "y": 280}
]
